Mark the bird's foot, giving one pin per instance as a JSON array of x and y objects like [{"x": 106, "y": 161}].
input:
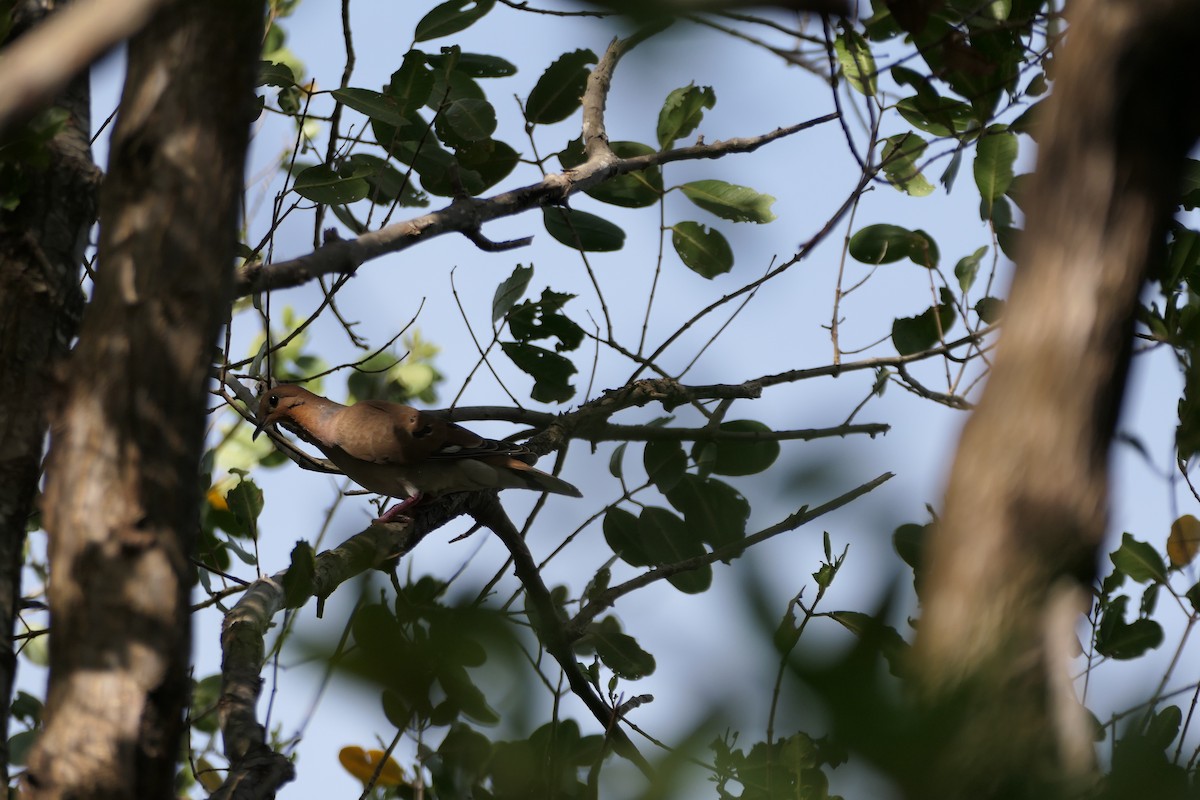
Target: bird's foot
[{"x": 398, "y": 510}]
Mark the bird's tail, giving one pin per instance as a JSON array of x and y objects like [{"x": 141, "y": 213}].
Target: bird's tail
[{"x": 543, "y": 481}]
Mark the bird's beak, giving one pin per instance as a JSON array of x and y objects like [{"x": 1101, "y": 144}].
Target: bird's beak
[{"x": 262, "y": 423}]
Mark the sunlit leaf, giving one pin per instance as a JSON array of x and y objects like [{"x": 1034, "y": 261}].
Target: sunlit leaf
[
  {"x": 1184, "y": 541},
  {"x": 854, "y": 56},
  {"x": 683, "y": 111},
  {"x": 730, "y": 201}
]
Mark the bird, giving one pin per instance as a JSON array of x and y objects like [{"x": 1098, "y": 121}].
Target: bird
[{"x": 399, "y": 451}]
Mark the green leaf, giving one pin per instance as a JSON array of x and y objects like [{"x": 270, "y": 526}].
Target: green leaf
[
  {"x": 387, "y": 183},
  {"x": 557, "y": 92},
  {"x": 994, "y": 157},
  {"x": 665, "y": 463},
  {"x": 668, "y": 540},
  {"x": 619, "y": 651},
  {"x": 298, "y": 580},
  {"x": 396, "y": 708},
  {"x": 490, "y": 159},
  {"x": 891, "y": 644},
  {"x": 702, "y": 250},
  {"x": 543, "y": 319},
  {"x": 616, "y": 461},
  {"x": 451, "y": 86},
  {"x": 1130, "y": 641},
  {"x": 508, "y": 293},
  {"x": 900, "y": 156},
  {"x": 1138, "y": 560},
  {"x": 968, "y": 267},
  {"x": 245, "y": 501},
  {"x": 682, "y": 112},
  {"x": 1164, "y": 727},
  {"x": 270, "y": 74},
  {"x": 580, "y": 230},
  {"x": 858, "y": 65},
  {"x": 477, "y": 65},
  {"x": 730, "y": 201},
  {"x": 621, "y": 532},
  {"x": 714, "y": 510},
  {"x": 466, "y": 120},
  {"x": 451, "y": 17},
  {"x": 989, "y": 309},
  {"x": 412, "y": 84},
  {"x": 382, "y": 107},
  {"x": 883, "y": 244},
  {"x": 917, "y": 334},
  {"x": 19, "y": 745},
  {"x": 742, "y": 458},
  {"x": 550, "y": 371},
  {"x": 939, "y": 116},
  {"x": 322, "y": 185},
  {"x": 633, "y": 189},
  {"x": 909, "y": 541}
]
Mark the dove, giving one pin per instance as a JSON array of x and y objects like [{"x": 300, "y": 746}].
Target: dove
[{"x": 399, "y": 451}]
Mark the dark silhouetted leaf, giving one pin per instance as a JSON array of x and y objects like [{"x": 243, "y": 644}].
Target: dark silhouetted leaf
[
  {"x": 665, "y": 463},
  {"x": 550, "y": 371},
  {"x": 583, "y": 231},
  {"x": 702, "y": 250},
  {"x": 557, "y": 92},
  {"x": 508, "y": 293},
  {"x": 451, "y": 17}
]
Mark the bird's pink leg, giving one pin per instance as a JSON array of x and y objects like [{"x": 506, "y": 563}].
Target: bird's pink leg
[{"x": 399, "y": 509}]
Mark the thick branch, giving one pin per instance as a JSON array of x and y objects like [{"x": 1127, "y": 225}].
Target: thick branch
[
  {"x": 1026, "y": 506},
  {"x": 42, "y": 63},
  {"x": 121, "y": 491},
  {"x": 551, "y": 628},
  {"x": 41, "y": 248}
]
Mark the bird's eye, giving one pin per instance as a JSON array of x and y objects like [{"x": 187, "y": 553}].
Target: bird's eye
[{"x": 273, "y": 399}]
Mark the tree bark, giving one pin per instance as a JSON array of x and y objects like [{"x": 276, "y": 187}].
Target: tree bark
[
  {"x": 41, "y": 249},
  {"x": 1026, "y": 504},
  {"x": 122, "y": 497}
]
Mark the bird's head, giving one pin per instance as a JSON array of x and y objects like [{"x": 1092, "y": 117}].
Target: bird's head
[{"x": 279, "y": 404}]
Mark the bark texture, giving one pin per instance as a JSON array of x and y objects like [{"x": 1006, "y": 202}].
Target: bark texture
[
  {"x": 41, "y": 249},
  {"x": 122, "y": 498},
  {"x": 1026, "y": 505}
]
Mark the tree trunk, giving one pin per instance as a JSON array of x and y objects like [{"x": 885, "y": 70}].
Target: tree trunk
[
  {"x": 1026, "y": 505},
  {"x": 122, "y": 497},
  {"x": 41, "y": 248}
]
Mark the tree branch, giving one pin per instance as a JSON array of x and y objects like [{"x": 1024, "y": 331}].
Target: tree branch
[
  {"x": 467, "y": 215},
  {"x": 41, "y": 63},
  {"x": 805, "y": 515}
]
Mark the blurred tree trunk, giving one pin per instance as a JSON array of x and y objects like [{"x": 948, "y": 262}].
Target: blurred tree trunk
[
  {"x": 122, "y": 498},
  {"x": 1026, "y": 505},
  {"x": 42, "y": 244}
]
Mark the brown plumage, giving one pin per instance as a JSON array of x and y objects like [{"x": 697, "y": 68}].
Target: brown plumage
[{"x": 399, "y": 451}]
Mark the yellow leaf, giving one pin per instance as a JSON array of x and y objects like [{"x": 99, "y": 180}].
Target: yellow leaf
[
  {"x": 363, "y": 763},
  {"x": 216, "y": 498},
  {"x": 1184, "y": 541},
  {"x": 208, "y": 776}
]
